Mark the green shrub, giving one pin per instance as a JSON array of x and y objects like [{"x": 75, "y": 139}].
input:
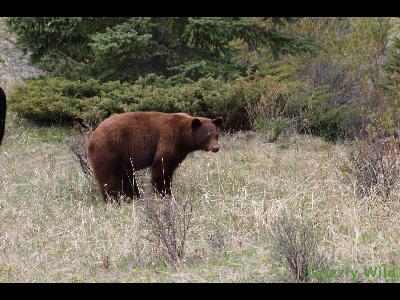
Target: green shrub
[
  {"x": 271, "y": 129},
  {"x": 263, "y": 103},
  {"x": 307, "y": 108},
  {"x": 54, "y": 99},
  {"x": 60, "y": 100},
  {"x": 326, "y": 120}
]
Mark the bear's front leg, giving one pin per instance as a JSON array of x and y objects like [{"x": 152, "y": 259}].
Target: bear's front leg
[{"x": 161, "y": 176}]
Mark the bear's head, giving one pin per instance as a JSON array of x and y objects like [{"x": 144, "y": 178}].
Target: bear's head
[{"x": 205, "y": 134}]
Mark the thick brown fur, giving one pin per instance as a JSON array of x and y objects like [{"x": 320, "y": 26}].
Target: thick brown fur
[
  {"x": 3, "y": 108},
  {"x": 125, "y": 143}
]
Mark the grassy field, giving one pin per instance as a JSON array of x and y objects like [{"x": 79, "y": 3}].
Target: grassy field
[{"x": 55, "y": 228}]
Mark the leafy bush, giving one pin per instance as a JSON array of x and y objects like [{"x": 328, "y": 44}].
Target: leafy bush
[
  {"x": 53, "y": 99},
  {"x": 324, "y": 119},
  {"x": 297, "y": 104},
  {"x": 272, "y": 129},
  {"x": 275, "y": 110},
  {"x": 242, "y": 103},
  {"x": 60, "y": 100},
  {"x": 344, "y": 91}
]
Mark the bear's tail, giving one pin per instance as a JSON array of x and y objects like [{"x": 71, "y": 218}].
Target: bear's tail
[{"x": 2, "y": 113}]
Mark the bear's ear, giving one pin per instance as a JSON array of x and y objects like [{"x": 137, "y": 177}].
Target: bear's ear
[
  {"x": 196, "y": 123},
  {"x": 217, "y": 122}
]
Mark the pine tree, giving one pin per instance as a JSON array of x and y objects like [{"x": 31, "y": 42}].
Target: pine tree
[{"x": 125, "y": 48}]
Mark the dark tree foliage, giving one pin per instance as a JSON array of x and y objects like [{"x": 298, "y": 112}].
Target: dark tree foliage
[{"x": 125, "y": 48}]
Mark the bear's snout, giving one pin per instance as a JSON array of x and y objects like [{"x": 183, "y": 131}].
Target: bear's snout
[{"x": 215, "y": 149}]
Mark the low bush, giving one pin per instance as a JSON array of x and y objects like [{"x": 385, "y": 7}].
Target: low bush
[
  {"x": 168, "y": 222},
  {"x": 298, "y": 105},
  {"x": 247, "y": 102},
  {"x": 294, "y": 246},
  {"x": 53, "y": 99}
]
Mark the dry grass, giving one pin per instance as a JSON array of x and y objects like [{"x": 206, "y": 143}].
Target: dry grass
[{"x": 55, "y": 228}]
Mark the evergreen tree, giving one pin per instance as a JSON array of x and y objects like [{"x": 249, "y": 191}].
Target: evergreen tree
[{"x": 125, "y": 48}]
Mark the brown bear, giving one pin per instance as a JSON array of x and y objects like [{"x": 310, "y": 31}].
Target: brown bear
[
  {"x": 3, "y": 106},
  {"x": 131, "y": 141}
]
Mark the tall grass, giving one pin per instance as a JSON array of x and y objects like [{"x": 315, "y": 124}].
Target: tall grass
[{"x": 55, "y": 228}]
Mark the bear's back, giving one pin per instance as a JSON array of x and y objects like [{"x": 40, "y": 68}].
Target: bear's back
[{"x": 136, "y": 135}]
